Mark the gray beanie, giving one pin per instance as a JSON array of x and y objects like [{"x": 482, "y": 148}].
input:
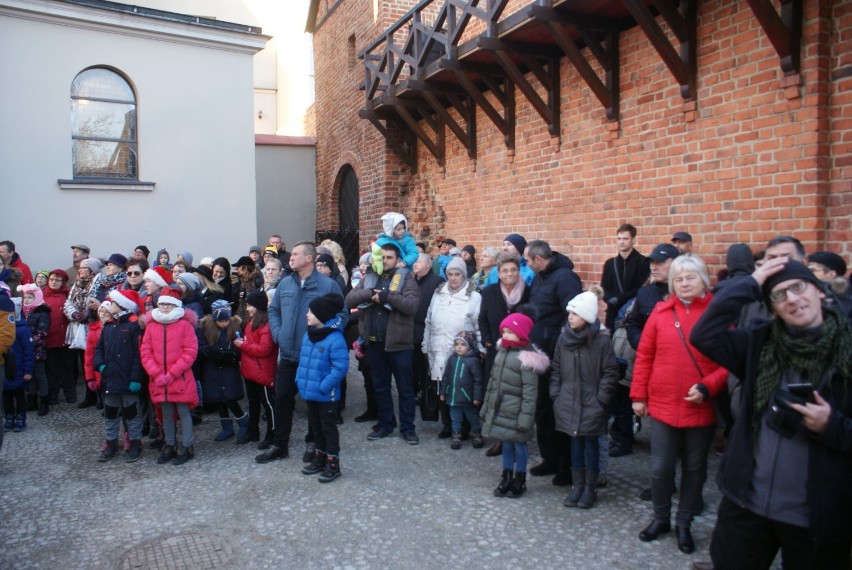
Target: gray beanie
[
  {"x": 458, "y": 264},
  {"x": 191, "y": 281}
]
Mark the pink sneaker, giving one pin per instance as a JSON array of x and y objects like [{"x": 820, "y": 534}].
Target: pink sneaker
[
  {"x": 359, "y": 353},
  {"x": 126, "y": 441}
]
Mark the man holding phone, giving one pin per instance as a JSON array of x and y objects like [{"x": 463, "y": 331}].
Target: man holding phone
[{"x": 785, "y": 477}]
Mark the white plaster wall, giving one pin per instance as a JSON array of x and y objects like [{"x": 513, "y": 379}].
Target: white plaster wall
[
  {"x": 286, "y": 193},
  {"x": 196, "y": 142}
]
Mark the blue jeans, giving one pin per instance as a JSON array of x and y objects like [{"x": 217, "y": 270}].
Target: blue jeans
[
  {"x": 383, "y": 364},
  {"x": 459, "y": 413},
  {"x": 128, "y": 405},
  {"x": 585, "y": 452},
  {"x": 515, "y": 456}
]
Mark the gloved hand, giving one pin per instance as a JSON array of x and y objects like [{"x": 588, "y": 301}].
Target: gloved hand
[
  {"x": 92, "y": 385},
  {"x": 135, "y": 387},
  {"x": 161, "y": 380}
]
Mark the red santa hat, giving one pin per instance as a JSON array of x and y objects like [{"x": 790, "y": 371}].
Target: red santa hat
[
  {"x": 127, "y": 299},
  {"x": 170, "y": 296},
  {"x": 159, "y": 275}
]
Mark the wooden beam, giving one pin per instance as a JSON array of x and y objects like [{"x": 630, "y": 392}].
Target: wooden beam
[
  {"x": 784, "y": 31},
  {"x": 435, "y": 147},
  {"x": 407, "y": 155},
  {"x": 682, "y": 65},
  {"x": 566, "y": 44},
  {"x": 532, "y": 96}
]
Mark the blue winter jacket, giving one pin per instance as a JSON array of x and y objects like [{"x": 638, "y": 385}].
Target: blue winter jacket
[
  {"x": 323, "y": 363},
  {"x": 289, "y": 309},
  {"x": 24, "y": 351}
]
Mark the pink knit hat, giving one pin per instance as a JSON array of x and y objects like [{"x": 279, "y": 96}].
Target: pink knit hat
[{"x": 519, "y": 324}]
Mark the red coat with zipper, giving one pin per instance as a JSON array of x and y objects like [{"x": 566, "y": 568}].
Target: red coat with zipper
[
  {"x": 170, "y": 349},
  {"x": 259, "y": 360},
  {"x": 95, "y": 330},
  {"x": 664, "y": 372}
]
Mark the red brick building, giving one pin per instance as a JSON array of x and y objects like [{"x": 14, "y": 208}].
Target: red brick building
[{"x": 715, "y": 126}]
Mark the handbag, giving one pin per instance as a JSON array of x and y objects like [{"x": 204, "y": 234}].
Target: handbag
[
  {"x": 75, "y": 336},
  {"x": 429, "y": 403}
]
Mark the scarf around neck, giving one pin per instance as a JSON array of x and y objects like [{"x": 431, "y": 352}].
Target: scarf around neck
[
  {"x": 165, "y": 319},
  {"x": 829, "y": 349},
  {"x": 514, "y": 296}
]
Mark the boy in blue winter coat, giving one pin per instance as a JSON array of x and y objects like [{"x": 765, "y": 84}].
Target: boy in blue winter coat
[
  {"x": 15, "y": 388},
  {"x": 462, "y": 384},
  {"x": 323, "y": 363}
]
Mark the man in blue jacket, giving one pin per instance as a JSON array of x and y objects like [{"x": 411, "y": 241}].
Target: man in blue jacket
[{"x": 288, "y": 322}]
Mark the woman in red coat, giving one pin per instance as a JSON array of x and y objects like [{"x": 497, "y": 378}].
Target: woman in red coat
[
  {"x": 673, "y": 383},
  {"x": 60, "y": 365},
  {"x": 258, "y": 365},
  {"x": 169, "y": 348}
]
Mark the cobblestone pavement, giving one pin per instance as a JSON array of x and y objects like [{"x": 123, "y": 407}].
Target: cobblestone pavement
[{"x": 396, "y": 506}]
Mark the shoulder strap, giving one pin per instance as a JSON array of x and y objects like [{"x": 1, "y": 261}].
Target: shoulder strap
[{"x": 686, "y": 344}]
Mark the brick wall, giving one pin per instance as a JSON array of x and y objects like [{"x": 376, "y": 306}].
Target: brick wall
[{"x": 757, "y": 157}]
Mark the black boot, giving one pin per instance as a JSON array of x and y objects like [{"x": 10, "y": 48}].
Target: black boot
[
  {"x": 90, "y": 400},
  {"x": 266, "y": 442},
  {"x": 169, "y": 453},
  {"x": 184, "y": 456},
  {"x": 32, "y": 402},
  {"x": 135, "y": 452},
  {"x": 518, "y": 486},
  {"x": 43, "y": 407},
  {"x": 272, "y": 454},
  {"x": 109, "y": 451},
  {"x": 316, "y": 465},
  {"x": 573, "y": 498},
  {"x": 332, "y": 469},
  {"x": 503, "y": 486},
  {"x": 587, "y": 501}
]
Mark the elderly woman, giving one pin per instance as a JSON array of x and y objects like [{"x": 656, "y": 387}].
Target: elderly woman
[
  {"x": 60, "y": 362},
  {"x": 498, "y": 300},
  {"x": 76, "y": 309},
  {"x": 673, "y": 383},
  {"x": 487, "y": 260},
  {"x": 454, "y": 308},
  {"x": 113, "y": 278}
]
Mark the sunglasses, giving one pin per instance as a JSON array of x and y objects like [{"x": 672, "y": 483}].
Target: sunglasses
[{"x": 134, "y": 273}]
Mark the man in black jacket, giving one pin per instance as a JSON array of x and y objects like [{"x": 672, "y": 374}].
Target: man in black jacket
[
  {"x": 427, "y": 283},
  {"x": 554, "y": 285},
  {"x": 623, "y": 274},
  {"x": 785, "y": 476},
  {"x": 648, "y": 296}
]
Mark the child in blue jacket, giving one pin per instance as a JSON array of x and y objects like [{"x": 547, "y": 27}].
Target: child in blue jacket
[
  {"x": 323, "y": 363},
  {"x": 15, "y": 388}
]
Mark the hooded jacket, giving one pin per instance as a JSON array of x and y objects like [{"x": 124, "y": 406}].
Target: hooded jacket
[
  {"x": 408, "y": 251},
  {"x": 259, "y": 355},
  {"x": 583, "y": 381},
  {"x": 508, "y": 410},
  {"x": 221, "y": 380},
  {"x": 448, "y": 314},
  {"x": 323, "y": 363},
  {"x": 664, "y": 371},
  {"x": 118, "y": 351},
  {"x": 462, "y": 380},
  {"x": 550, "y": 292},
  {"x": 92, "y": 338},
  {"x": 24, "y": 357},
  {"x": 170, "y": 350},
  {"x": 290, "y": 305}
]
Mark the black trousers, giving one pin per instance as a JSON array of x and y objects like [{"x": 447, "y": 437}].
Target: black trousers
[
  {"x": 555, "y": 447},
  {"x": 322, "y": 417},
  {"x": 743, "y": 540},
  {"x": 285, "y": 401},
  {"x": 621, "y": 409},
  {"x": 260, "y": 395},
  {"x": 60, "y": 368}
]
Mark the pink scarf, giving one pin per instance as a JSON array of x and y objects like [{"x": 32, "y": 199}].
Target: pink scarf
[{"x": 513, "y": 297}]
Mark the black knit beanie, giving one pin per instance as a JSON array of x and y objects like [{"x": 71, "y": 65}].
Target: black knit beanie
[{"x": 326, "y": 307}]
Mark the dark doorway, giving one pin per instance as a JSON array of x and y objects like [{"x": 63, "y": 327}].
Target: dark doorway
[{"x": 347, "y": 233}]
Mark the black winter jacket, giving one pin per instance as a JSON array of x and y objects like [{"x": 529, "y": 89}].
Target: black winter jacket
[
  {"x": 829, "y": 485},
  {"x": 646, "y": 299},
  {"x": 427, "y": 286},
  {"x": 550, "y": 292},
  {"x": 462, "y": 380},
  {"x": 118, "y": 351},
  {"x": 621, "y": 280}
]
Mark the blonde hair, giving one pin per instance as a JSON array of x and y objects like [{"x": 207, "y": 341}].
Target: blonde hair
[{"x": 336, "y": 251}]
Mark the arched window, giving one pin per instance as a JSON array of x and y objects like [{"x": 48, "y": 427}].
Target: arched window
[{"x": 103, "y": 125}]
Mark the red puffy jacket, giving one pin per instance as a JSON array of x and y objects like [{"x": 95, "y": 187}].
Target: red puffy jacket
[
  {"x": 95, "y": 330},
  {"x": 664, "y": 372},
  {"x": 259, "y": 356},
  {"x": 170, "y": 350},
  {"x": 58, "y": 321}
]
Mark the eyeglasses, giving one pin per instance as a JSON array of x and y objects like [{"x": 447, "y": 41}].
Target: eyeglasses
[
  {"x": 780, "y": 295},
  {"x": 134, "y": 273}
]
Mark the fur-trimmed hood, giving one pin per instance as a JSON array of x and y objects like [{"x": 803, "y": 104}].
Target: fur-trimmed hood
[
  {"x": 211, "y": 331},
  {"x": 532, "y": 358}
]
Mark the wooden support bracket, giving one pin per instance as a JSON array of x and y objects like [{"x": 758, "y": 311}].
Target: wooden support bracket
[
  {"x": 784, "y": 31},
  {"x": 683, "y": 21}
]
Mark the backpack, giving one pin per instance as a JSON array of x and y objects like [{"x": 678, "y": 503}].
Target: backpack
[{"x": 625, "y": 355}]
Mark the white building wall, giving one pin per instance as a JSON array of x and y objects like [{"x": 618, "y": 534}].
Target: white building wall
[{"x": 196, "y": 142}]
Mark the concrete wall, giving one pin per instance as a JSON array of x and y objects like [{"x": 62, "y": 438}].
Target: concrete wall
[
  {"x": 196, "y": 142},
  {"x": 757, "y": 156},
  {"x": 286, "y": 189}
]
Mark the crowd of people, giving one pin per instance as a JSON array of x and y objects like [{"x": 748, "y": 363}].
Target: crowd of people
[{"x": 500, "y": 348}]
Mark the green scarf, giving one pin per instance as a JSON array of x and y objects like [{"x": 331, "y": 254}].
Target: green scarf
[{"x": 830, "y": 348}]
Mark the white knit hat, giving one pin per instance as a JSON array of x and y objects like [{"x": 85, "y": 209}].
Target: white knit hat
[
  {"x": 458, "y": 264},
  {"x": 585, "y": 306}
]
